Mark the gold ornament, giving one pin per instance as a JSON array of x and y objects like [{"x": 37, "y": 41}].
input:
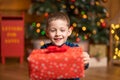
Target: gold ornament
[
  {"x": 84, "y": 28},
  {"x": 38, "y": 25},
  {"x": 38, "y": 30}
]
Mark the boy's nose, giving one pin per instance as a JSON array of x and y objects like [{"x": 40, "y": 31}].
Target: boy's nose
[{"x": 57, "y": 32}]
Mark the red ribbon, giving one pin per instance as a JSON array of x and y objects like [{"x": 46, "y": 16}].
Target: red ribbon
[{"x": 57, "y": 49}]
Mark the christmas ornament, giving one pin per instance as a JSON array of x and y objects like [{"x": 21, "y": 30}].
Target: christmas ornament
[
  {"x": 72, "y": 6},
  {"x": 84, "y": 16},
  {"x": 94, "y": 31},
  {"x": 97, "y": 3},
  {"x": 77, "y": 39},
  {"x": 74, "y": 24},
  {"x": 72, "y": 0},
  {"x": 46, "y": 14},
  {"x": 98, "y": 23},
  {"x": 38, "y": 25},
  {"x": 84, "y": 28},
  {"x": 76, "y": 11},
  {"x": 103, "y": 24},
  {"x": 43, "y": 32},
  {"x": 33, "y": 24},
  {"x": 38, "y": 30},
  {"x": 42, "y": 43}
]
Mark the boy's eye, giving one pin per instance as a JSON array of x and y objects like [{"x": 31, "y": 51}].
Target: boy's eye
[
  {"x": 62, "y": 30},
  {"x": 52, "y": 30}
]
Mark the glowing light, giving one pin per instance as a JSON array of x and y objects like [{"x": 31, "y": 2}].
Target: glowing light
[
  {"x": 112, "y": 25},
  {"x": 85, "y": 37},
  {"x": 46, "y": 14},
  {"x": 82, "y": 12},
  {"x": 38, "y": 30},
  {"x": 101, "y": 20},
  {"x": 77, "y": 35},
  {"x": 43, "y": 32},
  {"x": 97, "y": 3},
  {"x": 112, "y": 31},
  {"x": 94, "y": 31},
  {"x": 42, "y": 43},
  {"x": 116, "y": 37},
  {"x": 84, "y": 16},
  {"x": 98, "y": 23},
  {"x": 114, "y": 57},
  {"x": 72, "y": 6},
  {"x": 84, "y": 28},
  {"x": 33, "y": 24},
  {"x": 63, "y": 6},
  {"x": 38, "y": 25},
  {"x": 116, "y": 49},
  {"x": 74, "y": 24},
  {"x": 77, "y": 39},
  {"x": 117, "y": 26},
  {"x": 115, "y": 34}
]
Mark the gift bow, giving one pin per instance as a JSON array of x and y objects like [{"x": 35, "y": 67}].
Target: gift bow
[{"x": 57, "y": 48}]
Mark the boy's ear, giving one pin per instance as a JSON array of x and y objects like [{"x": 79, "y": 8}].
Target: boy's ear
[{"x": 69, "y": 31}]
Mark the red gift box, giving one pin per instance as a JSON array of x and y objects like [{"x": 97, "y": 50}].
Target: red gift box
[{"x": 56, "y": 63}]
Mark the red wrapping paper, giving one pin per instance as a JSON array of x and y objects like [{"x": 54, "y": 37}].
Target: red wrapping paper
[{"x": 65, "y": 64}]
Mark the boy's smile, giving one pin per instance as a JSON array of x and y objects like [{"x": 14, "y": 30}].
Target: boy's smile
[{"x": 58, "y": 31}]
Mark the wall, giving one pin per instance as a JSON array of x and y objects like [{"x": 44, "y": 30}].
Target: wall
[
  {"x": 113, "y": 7},
  {"x": 15, "y": 7}
]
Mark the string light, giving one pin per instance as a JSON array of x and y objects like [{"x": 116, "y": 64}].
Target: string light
[
  {"x": 43, "y": 32},
  {"x": 97, "y": 3},
  {"x": 72, "y": 6},
  {"x": 84, "y": 28},
  {"x": 94, "y": 31},
  {"x": 38, "y": 30},
  {"x": 82, "y": 12},
  {"x": 114, "y": 31},
  {"x": 38, "y": 25},
  {"x": 42, "y": 43},
  {"x": 101, "y": 20},
  {"x": 84, "y": 16},
  {"x": 77, "y": 34},
  {"x": 74, "y": 24},
  {"x": 63, "y": 6},
  {"x": 33, "y": 24},
  {"x": 98, "y": 23}
]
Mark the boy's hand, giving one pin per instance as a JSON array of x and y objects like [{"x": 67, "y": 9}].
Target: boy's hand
[{"x": 86, "y": 57}]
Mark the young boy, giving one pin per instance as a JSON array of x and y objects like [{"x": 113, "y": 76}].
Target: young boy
[{"x": 58, "y": 30}]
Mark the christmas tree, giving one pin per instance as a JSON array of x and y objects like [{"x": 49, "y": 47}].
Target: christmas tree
[{"x": 88, "y": 17}]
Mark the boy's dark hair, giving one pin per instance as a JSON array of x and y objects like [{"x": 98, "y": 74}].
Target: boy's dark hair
[{"x": 58, "y": 15}]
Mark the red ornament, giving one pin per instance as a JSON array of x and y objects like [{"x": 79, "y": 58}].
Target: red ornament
[
  {"x": 77, "y": 39},
  {"x": 103, "y": 24},
  {"x": 46, "y": 14},
  {"x": 73, "y": 0}
]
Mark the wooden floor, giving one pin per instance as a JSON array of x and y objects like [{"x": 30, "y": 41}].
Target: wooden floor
[{"x": 15, "y": 71}]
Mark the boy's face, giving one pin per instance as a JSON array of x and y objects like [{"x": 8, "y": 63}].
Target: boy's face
[{"x": 58, "y": 31}]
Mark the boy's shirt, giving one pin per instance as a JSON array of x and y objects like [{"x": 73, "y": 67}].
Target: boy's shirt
[{"x": 68, "y": 44}]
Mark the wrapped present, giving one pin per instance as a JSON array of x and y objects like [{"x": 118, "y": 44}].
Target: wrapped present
[{"x": 56, "y": 63}]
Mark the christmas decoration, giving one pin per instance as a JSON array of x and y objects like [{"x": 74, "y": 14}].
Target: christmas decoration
[
  {"x": 87, "y": 17},
  {"x": 55, "y": 63},
  {"x": 115, "y": 31}
]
